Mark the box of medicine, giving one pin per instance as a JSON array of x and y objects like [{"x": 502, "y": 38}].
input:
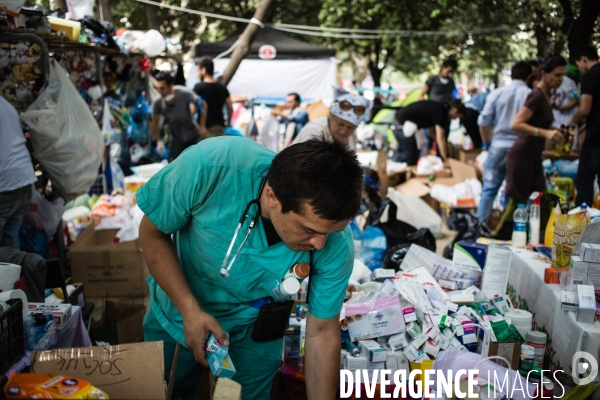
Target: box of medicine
[
  {"x": 214, "y": 346},
  {"x": 221, "y": 367},
  {"x": 586, "y": 309},
  {"x": 356, "y": 363},
  {"x": 568, "y": 300},
  {"x": 469, "y": 258},
  {"x": 372, "y": 351},
  {"x": 590, "y": 252},
  {"x": 399, "y": 341},
  {"x": 578, "y": 270},
  {"x": 61, "y": 313},
  {"x": 419, "y": 340},
  {"x": 594, "y": 275},
  {"x": 366, "y": 322},
  {"x": 431, "y": 349},
  {"x": 381, "y": 274}
]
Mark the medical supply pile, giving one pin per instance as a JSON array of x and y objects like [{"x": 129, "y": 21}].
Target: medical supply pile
[{"x": 404, "y": 320}]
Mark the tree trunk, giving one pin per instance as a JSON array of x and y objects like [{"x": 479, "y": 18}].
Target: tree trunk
[
  {"x": 375, "y": 73},
  {"x": 264, "y": 9},
  {"x": 104, "y": 9},
  {"x": 583, "y": 27},
  {"x": 152, "y": 17},
  {"x": 62, "y": 4}
]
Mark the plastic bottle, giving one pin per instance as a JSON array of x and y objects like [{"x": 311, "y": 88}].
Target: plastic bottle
[
  {"x": 519, "y": 236},
  {"x": 300, "y": 270},
  {"x": 289, "y": 287},
  {"x": 558, "y": 148},
  {"x": 534, "y": 222}
]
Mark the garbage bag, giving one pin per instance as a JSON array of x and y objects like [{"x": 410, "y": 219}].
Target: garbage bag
[
  {"x": 467, "y": 227},
  {"x": 43, "y": 215},
  {"x": 395, "y": 256},
  {"x": 139, "y": 128},
  {"x": 414, "y": 211},
  {"x": 373, "y": 245},
  {"x": 65, "y": 135},
  {"x": 399, "y": 232}
]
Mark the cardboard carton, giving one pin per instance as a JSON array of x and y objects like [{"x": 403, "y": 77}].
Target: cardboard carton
[
  {"x": 107, "y": 269},
  {"x": 117, "y": 322},
  {"x": 508, "y": 350},
  {"x": 468, "y": 156},
  {"x": 131, "y": 371}
]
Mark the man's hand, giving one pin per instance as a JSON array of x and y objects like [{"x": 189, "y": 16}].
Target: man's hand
[
  {"x": 276, "y": 112},
  {"x": 197, "y": 328}
]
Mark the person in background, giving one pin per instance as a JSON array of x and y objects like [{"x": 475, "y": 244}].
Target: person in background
[
  {"x": 16, "y": 176},
  {"x": 427, "y": 114},
  {"x": 586, "y": 59},
  {"x": 535, "y": 74},
  {"x": 524, "y": 170},
  {"x": 174, "y": 104},
  {"x": 346, "y": 113},
  {"x": 292, "y": 116},
  {"x": 501, "y": 107},
  {"x": 440, "y": 87},
  {"x": 216, "y": 96},
  {"x": 565, "y": 100}
]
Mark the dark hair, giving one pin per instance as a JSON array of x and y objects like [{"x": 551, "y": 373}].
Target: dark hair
[
  {"x": 521, "y": 70},
  {"x": 551, "y": 62},
  {"x": 588, "y": 52},
  {"x": 533, "y": 63},
  {"x": 296, "y": 96},
  {"x": 451, "y": 62},
  {"x": 207, "y": 63},
  {"x": 325, "y": 174},
  {"x": 460, "y": 107},
  {"x": 165, "y": 77}
]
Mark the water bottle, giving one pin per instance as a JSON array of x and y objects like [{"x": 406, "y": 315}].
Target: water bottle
[
  {"x": 519, "y": 236},
  {"x": 534, "y": 222}
]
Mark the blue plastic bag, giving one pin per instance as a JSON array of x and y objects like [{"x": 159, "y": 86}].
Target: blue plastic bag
[
  {"x": 373, "y": 245},
  {"x": 567, "y": 169},
  {"x": 139, "y": 128}
]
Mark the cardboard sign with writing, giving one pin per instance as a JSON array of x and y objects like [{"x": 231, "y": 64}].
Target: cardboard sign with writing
[{"x": 130, "y": 371}]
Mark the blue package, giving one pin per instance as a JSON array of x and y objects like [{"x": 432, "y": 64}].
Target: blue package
[{"x": 475, "y": 251}]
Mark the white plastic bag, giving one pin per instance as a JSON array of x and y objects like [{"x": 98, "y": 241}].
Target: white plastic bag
[
  {"x": 13, "y": 5},
  {"x": 414, "y": 211},
  {"x": 464, "y": 194},
  {"x": 80, "y": 8},
  {"x": 269, "y": 134},
  {"x": 44, "y": 215},
  {"x": 111, "y": 132},
  {"x": 429, "y": 165},
  {"x": 66, "y": 138}
]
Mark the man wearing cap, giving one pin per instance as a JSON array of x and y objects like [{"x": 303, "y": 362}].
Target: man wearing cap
[{"x": 347, "y": 110}]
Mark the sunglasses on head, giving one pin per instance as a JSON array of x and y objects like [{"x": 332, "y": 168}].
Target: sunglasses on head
[{"x": 347, "y": 106}]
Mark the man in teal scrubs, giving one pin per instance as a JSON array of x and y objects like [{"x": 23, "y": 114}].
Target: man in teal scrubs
[{"x": 311, "y": 192}]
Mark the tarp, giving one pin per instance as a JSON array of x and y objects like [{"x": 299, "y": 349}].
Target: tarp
[
  {"x": 285, "y": 46},
  {"x": 312, "y": 79}
]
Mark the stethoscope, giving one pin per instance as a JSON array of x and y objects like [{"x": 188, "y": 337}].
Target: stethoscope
[{"x": 225, "y": 271}]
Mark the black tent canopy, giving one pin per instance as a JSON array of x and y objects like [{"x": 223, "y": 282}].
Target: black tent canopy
[{"x": 286, "y": 47}]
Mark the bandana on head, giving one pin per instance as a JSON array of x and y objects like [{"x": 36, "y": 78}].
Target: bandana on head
[{"x": 340, "y": 95}]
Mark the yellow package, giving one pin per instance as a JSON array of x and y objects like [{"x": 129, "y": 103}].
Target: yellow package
[
  {"x": 46, "y": 386},
  {"x": 568, "y": 229}
]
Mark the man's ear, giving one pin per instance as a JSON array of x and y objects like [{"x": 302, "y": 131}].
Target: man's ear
[{"x": 272, "y": 200}]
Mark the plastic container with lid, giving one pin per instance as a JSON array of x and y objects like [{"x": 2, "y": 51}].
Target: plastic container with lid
[
  {"x": 289, "y": 287},
  {"x": 521, "y": 319},
  {"x": 300, "y": 270},
  {"x": 527, "y": 358},
  {"x": 537, "y": 340}
]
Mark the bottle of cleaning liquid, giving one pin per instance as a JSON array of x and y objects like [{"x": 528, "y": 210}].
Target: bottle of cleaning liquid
[
  {"x": 534, "y": 222},
  {"x": 549, "y": 238},
  {"x": 519, "y": 236}
]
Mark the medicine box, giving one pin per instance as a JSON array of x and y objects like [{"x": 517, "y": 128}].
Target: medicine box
[
  {"x": 431, "y": 349},
  {"x": 419, "y": 340},
  {"x": 594, "y": 275},
  {"x": 402, "y": 361},
  {"x": 372, "y": 351},
  {"x": 399, "y": 341},
  {"x": 586, "y": 310},
  {"x": 552, "y": 275},
  {"x": 391, "y": 361},
  {"x": 382, "y": 274},
  {"x": 590, "y": 252},
  {"x": 61, "y": 313},
  {"x": 214, "y": 346},
  {"x": 221, "y": 367},
  {"x": 578, "y": 270},
  {"x": 356, "y": 363},
  {"x": 568, "y": 300},
  {"x": 469, "y": 258}
]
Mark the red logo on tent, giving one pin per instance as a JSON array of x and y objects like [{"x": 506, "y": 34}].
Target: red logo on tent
[{"x": 267, "y": 52}]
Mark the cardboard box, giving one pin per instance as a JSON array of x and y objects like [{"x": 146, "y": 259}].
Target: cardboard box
[
  {"x": 568, "y": 300},
  {"x": 221, "y": 367},
  {"x": 578, "y": 270},
  {"x": 586, "y": 309},
  {"x": 131, "y": 371},
  {"x": 552, "y": 275},
  {"x": 77, "y": 296},
  {"x": 372, "y": 351},
  {"x": 61, "y": 313},
  {"x": 118, "y": 322},
  {"x": 468, "y": 156},
  {"x": 594, "y": 275},
  {"x": 509, "y": 350},
  {"x": 590, "y": 252},
  {"x": 107, "y": 269}
]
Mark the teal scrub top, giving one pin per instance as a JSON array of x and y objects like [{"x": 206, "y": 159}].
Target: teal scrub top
[{"x": 199, "y": 199}]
